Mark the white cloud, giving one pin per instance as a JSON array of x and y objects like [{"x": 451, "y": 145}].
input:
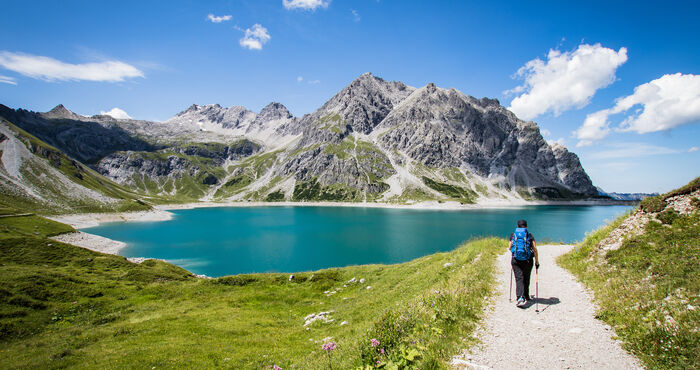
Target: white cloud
[
  {"x": 299, "y": 79},
  {"x": 664, "y": 103},
  {"x": 305, "y": 4},
  {"x": 559, "y": 141},
  {"x": 355, "y": 15},
  {"x": 631, "y": 150},
  {"x": 255, "y": 37},
  {"x": 116, "y": 113},
  {"x": 218, "y": 19},
  {"x": 49, "y": 69},
  {"x": 314, "y": 82},
  {"x": 595, "y": 127},
  {"x": 565, "y": 80},
  {"x": 545, "y": 132},
  {"x": 693, "y": 149},
  {"x": 7, "y": 80}
]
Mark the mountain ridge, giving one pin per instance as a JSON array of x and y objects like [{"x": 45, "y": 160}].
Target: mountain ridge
[{"x": 374, "y": 140}]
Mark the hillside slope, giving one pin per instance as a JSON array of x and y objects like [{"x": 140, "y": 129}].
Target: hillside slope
[
  {"x": 643, "y": 270},
  {"x": 374, "y": 140},
  {"x": 64, "y": 306},
  {"x": 37, "y": 177}
]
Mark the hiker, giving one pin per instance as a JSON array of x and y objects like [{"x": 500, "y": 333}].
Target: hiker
[{"x": 522, "y": 247}]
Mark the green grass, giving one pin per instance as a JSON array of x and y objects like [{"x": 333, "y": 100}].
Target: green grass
[
  {"x": 64, "y": 306},
  {"x": 463, "y": 195},
  {"x": 312, "y": 190},
  {"x": 648, "y": 288}
]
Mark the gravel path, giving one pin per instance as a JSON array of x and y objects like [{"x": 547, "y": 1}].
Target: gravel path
[{"x": 564, "y": 335}]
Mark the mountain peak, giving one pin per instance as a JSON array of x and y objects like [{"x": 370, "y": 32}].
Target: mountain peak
[
  {"x": 275, "y": 110},
  {"x": 61, "y": 111}
]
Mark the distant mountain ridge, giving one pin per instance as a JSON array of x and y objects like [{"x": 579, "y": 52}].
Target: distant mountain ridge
[
  {"x": 374, "y": 140},
  {"x": 625, "y": 196}
]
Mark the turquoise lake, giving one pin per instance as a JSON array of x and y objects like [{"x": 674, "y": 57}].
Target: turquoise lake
[{"x": 234, "y": 240}]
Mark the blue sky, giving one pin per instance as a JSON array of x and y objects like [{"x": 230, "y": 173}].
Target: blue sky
[{"x": 579, "y": 63}]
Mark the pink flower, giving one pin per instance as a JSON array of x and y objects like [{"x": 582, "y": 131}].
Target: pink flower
[
  {"x": 277, "y": 367},
  {"x": 381, "y": 351},
  {"x": 378, "y": 362},
  {"x": 374, "y": 342},
  {"x": 330, "y": 346}
]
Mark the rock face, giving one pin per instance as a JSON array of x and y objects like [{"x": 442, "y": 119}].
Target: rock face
[{"x": 374, "y": 140}]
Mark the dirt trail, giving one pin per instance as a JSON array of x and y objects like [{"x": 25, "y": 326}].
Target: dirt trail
[{"x": 563, "y": 335}]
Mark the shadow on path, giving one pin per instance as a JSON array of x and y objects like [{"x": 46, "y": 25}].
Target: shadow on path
[{"x": 543, "y": 302}]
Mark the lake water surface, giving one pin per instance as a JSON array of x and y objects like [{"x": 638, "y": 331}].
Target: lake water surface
[{"x": 234, "y": 240}]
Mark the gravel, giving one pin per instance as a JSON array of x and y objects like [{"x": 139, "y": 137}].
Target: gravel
[{"x": 564, "y": 335}]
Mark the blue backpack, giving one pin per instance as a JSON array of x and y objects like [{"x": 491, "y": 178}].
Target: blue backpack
[{"x": 522, "y": 245}]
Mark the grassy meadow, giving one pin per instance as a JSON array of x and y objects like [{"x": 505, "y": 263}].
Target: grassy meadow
[
  {"x": 649, "y": 288},
  {"x": 64, "y": 306}
]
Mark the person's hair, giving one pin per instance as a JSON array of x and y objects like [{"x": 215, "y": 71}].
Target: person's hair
[{"x": 522, "y": 223}]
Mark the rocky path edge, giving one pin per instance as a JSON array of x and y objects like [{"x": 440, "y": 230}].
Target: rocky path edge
[{"x": 564, "y": 335}]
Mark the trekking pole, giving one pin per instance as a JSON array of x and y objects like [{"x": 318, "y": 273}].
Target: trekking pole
[
  {"x": 537, "y": 290},
  {"x": 510, "y": 289}
]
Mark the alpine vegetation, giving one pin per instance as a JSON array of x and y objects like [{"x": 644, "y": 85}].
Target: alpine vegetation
[{"x": 643, "y": 269}]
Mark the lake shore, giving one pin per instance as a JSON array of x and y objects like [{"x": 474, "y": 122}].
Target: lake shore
[
  {"x": 427, "y": 205},
  {"x": 161, "y": 212}
]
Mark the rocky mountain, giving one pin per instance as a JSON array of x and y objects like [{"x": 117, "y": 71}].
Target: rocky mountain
[
  {"x": 625, "y": 196},
  {"x": 374, "y": 140},
  {"x": 35, "y": 176}
]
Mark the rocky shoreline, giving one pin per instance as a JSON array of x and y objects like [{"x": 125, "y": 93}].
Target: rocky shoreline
[{"x": 161, "y": 212}]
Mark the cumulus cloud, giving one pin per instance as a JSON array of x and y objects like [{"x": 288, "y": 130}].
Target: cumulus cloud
[
  {"x": 116, "y": 113},
  {"x": 565, "y": 80},
  {"x": 631, "y": 150},
  {"x": 545, "y": 132},
  {"x": 314, "y": 82},
  {"x": 7, "y": 80},
  {"x": 49, "y": 69},
  {"x": 662, "y": 104},
  {"x": 559, "y": 141},
  {"x": 693, "y": 149},
  {"x": 255, "y": 37},
  {"x": 305, "y": 4},
  {"x": 299, "y": 79},
  {"x": 355, "y": 15},
  {"x": 218, "y": 19}
]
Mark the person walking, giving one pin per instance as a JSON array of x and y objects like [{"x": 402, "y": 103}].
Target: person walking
[{"x": 523, "y": 249}]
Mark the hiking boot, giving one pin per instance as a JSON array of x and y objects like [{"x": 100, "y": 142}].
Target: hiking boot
[{"x": 521, "y": 302}]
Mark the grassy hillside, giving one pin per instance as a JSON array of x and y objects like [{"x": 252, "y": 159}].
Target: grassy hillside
[
  {"x": 56, "y": 182},
  {"x": 64, "y": 306},
  {"x": 648, "y": 289}
]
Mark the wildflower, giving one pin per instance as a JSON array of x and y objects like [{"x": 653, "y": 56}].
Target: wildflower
[
  {"x": 381, "y": 350},
  {"x": 277, "y": 367},
  {"x": 378, "y": 362},
  {"x": 374, "y": 342},
  {"x": 330, "y": 346}
]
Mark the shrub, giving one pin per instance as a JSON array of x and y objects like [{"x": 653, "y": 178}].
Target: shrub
[
  {"x": 276, "y": 196},
  {"x": 237, "y": 280},
  {"x": 653, "y": 204},
  {"x": 668, "y": 216}
]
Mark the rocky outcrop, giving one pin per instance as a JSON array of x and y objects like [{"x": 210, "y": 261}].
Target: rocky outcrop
[{"x": 374, "y": 139}]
